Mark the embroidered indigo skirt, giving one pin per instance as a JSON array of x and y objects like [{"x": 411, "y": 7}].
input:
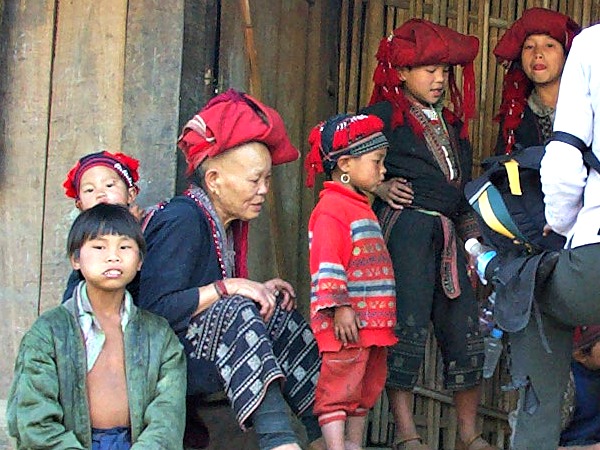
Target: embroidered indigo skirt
[{"x": 249, "y": 354}]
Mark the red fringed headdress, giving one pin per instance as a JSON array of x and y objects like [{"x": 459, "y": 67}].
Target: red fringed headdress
[
  {"x": 341, "y": 135},
  {"x": 419, "y": 43},
  {"x": 516, "y": 87},
  {"x": 125, "y": 166},
  {"x": 232, "y": 119}
]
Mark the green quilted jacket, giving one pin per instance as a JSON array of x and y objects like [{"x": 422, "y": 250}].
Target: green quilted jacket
[{"x": 47, "y": 405}]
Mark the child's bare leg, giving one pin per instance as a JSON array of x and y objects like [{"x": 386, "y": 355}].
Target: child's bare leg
[
  {"x": 401, "y": 405},
  {"x": 333, "y": 432},
  {"x": 355, "y": 428}
]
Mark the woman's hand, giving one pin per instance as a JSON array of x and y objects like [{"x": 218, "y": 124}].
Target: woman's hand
[
  {"x": 396, "y": 192},
  {"x": 346, "y": 324},
  {"x": 284, "y": 290},
  {"x": 262, "y": 294}
]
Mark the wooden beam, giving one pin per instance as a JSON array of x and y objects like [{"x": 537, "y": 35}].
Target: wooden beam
[
  {"x": 86, "y": 115},
  {"x": 25, "y": 77},
  {"x": 151, "y": 93}
]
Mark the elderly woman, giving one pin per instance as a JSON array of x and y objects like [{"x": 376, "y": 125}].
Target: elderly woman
[
  {"x": 240, "y": 336},
  {"x": 534, "y": 50}
]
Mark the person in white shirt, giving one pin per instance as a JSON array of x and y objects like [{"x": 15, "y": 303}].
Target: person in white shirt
[{"x": 567, "y": 290}]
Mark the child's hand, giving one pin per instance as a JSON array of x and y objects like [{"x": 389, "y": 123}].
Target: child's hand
[
  {"x": 137, "y": 212},
  {"x": 396, "y": 192},
  {"x": 346, "y": 324},
  {"x": 547, "y": 230}
]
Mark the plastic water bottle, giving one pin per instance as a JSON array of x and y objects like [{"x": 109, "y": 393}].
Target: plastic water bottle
[
  {"x": 486, "y": 314},
  {"x": 484, "y": 257},
  {"x": 493, "y": 350}
]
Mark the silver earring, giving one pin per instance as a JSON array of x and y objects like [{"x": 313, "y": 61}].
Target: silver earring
[{"x": 345, "y": 178}]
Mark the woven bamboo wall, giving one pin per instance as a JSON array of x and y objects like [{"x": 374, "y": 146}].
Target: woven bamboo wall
[{"x": 363, "y": 24}]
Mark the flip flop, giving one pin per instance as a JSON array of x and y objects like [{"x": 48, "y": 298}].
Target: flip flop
[
  {"x": 411, "y": 443},
  {"x": 475, "y": 443}
]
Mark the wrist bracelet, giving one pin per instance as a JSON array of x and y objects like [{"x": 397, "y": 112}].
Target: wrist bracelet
[{"x": 221, "y": 288}]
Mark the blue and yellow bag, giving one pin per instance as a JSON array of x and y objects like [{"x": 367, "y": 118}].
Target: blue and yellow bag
[{"x": 509, "y": 199}]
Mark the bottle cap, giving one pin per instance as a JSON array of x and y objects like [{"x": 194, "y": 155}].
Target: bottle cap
[
  {"x": 496, "y": 333},
  {"x": 472, "y": 246}
]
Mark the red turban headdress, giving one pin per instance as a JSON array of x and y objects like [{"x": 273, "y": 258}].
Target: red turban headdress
[
  {"x": 232, "y": 119},
  {"x": 416, "y": 43}
]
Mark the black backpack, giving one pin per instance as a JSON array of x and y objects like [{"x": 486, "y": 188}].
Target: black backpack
[{"x": 509, "y": 199}]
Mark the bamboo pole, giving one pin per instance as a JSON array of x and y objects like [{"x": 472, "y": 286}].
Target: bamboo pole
[
  {"x": 255, "y": 91},
  {"x": 355, "y": 46},
  {"x": 587, "y": 13},
  {"x": 374, "y": 31},
  {"x": 343, "y": 63}
]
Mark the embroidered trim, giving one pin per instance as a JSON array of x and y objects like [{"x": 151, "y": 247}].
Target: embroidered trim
[
  {"x": 213, "y": 231},
  {"x": 438, "y": 142}
]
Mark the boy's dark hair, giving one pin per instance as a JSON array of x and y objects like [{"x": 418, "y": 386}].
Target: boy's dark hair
[{"x": 101, "y": 220}]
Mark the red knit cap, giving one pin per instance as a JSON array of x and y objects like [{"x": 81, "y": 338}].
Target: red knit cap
[
  {"x": 516, "y": 87},
  {"x": 416, "y": 43},
  {"x": 232, "y": 119},
  {"x": 341, "y": 135},
  {"x": 125, "y": 166},
  {"x": 586, "y": 336}
]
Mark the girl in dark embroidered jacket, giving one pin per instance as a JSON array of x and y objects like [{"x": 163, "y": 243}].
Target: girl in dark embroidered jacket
[
  {"x": 239, "y": 335},
  {"x": 429, "y": 149},
  {"x": 534, "y": 50}
]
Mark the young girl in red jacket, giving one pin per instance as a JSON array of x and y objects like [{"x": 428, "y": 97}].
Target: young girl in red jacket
[{"x": 353, "y": 303}]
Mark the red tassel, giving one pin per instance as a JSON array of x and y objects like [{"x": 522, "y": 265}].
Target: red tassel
[
  {"x": 362, "y": 126},
  {"x": 313, "y": 163},
  {"x": 383, "y": 51},
  {"x": 516, "y": 88},
  {"x": 341, "y": 137},
  {"x": 380, "y": 74},
  {"x": 469, "y": 91},
  {"x": 455, "y": 95}
]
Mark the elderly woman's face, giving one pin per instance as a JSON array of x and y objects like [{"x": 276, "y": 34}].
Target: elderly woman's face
[
  {"x": 542, "y": 58},
  {"x": 241, "y": 183}
]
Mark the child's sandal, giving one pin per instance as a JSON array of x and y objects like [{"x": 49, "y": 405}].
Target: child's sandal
[{"x": 411, "y": 443}]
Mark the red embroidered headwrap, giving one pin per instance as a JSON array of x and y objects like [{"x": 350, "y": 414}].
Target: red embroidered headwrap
[
  {"x": 416, "y": 43},
  {"x": 516, "y": 87},
  {"x": 232, "y": 119},
  {"x": 125, "y": 166},
  {"x": 341, "y": 135}
]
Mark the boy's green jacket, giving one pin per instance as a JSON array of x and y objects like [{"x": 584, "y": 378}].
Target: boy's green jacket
[{"x": 48, "y": 408}]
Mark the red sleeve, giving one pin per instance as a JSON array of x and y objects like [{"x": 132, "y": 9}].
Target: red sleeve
[{"x": 330, "y": 251}]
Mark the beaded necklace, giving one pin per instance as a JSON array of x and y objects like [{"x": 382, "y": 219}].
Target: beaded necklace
[{"x": 213, "y": 228}]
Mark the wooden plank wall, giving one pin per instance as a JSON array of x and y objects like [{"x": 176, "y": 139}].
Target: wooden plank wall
[
  {"x": 26, "y": 55},
  {"x": 75, "y": 77},
  {"x": 363, "y": 24}
]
